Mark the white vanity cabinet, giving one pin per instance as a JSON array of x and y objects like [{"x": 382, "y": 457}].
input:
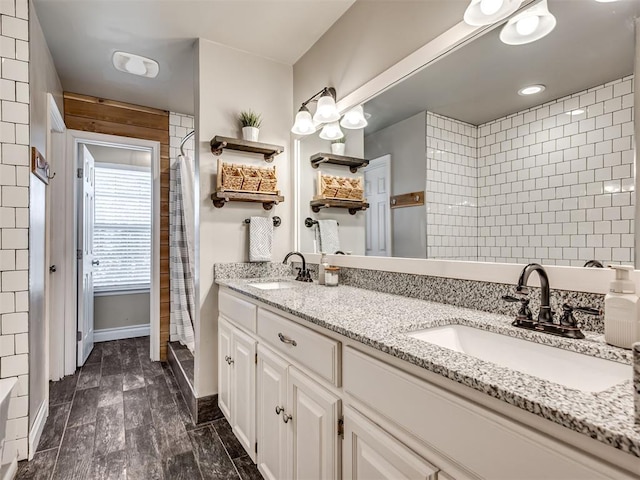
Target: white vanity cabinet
[
  {"x": 237, "y": 382},
  {"x": 297, "y": 422},
  {"x": 370, "y": 452}
]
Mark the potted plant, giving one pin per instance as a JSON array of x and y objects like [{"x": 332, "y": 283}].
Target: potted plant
[
  {"x": 338, "y": 146},
  {"x": 250, "y": 122}
]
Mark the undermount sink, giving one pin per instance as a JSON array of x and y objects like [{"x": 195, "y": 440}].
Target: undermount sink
[
  {"x": 271, "y": 285},
  {"x": 571, "y": 369}
]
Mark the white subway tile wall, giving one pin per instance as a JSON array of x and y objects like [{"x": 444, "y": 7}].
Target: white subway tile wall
[
  {"x": 452, "y": 189},
  {"x": 14, "y": 217},
  {"x": 179, "y": 126},
  {"x": 556, "y": 182}
]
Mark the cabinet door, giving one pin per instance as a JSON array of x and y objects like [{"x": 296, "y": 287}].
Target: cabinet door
[
  {"x": 243, "y": 390},
  {"x": 272, "y": 431},
  {"x": 224, "y": 369},
  {"x": 313, "y": 444},
  {"x": 370, "y": 453}
]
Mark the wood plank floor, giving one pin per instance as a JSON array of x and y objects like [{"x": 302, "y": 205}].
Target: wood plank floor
[{"x": 121, "y": 416}]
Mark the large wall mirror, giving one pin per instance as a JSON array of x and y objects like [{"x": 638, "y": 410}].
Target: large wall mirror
[{"x": 547, "y": 177}]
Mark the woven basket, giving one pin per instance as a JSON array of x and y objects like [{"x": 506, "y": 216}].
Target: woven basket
[
  {"x": 357, "y": 190},
  {"x": 251, "y": 179},
  {"x": 231, "y": 177},
  {"x": 268, "y": 180},
  {"x": 344, "y": 190},
  {"x": 328, "y": 186}
]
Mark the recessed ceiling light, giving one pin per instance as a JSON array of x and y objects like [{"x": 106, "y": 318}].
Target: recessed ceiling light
[
  {"x": 578, "y": 111},
  {"x": 135, "y": 64},
  {"x": 531, "y": 90}
]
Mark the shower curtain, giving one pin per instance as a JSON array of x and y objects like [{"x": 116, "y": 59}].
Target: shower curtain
[{"x": 181, "y": 249}]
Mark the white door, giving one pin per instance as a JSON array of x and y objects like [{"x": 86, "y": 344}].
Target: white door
[
  {"x": 313, "y": 442},
  {"x": 272, "y": 431},
  {"x": 224, "y": 368},
  {"x": 377, "y": 188},
  {"x": 86, "y": 261},
  {"x": 243, "y": 390},
  {"x": 372, "y": 454}
]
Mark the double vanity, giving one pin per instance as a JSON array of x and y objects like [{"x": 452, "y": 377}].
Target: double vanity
[{"x": 323, "y": 383}]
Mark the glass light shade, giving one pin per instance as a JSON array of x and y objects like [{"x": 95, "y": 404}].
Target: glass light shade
[
  {"x": 331, "y": 131},
  {"x": 486, "y": 12},
  {"x": 326, "y": 111},
  {"x": 524, "y": 28},
  {"x": 354, "y": 118},
  {"x": 304, "y": 123}
]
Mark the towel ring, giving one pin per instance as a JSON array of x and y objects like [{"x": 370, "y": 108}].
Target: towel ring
[{"x": 277, "y": 221}]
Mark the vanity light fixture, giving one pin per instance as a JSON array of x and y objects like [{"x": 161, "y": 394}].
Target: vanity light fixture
[
  {"x": 135, "y": 64},
  {"x": 531, "y": 90},
  {"x": 531, "y": 25},
  {"x": 354, "y": 118},
  {"x": 331, "y": 131},
  {"x": 486, "y": 12},
  {"x": 326, "y": 112}
]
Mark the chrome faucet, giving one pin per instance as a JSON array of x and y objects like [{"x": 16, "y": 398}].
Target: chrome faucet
[
  {"x": 546, "y": 314},
  {"x": 567, "y": 326},
  {"x": 303, "y": 273}
]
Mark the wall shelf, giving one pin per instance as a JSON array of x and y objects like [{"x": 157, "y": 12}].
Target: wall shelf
[
  {"x": 267, "y": 200},
  {"x": 354, "y": 206},
  {"x": 352, "y": 162},
  {"x": 219, "y": 143}
]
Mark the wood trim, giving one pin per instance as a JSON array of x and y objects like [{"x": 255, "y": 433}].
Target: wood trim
[
  {"x": 100, "y": 115},
  {"x": 412, "y": 199}
]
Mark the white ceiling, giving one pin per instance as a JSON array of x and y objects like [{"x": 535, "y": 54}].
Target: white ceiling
[
  {"x": 83, "y": 35},
  {"x": 593, "y": 43}
]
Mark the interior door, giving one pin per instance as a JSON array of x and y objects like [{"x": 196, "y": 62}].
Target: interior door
[
  {"x": 272, "y": 431},
  {"x": 86, "y": 260},
  {"x": 312, "y": 439},
  {"x": 377, "y": 188}
]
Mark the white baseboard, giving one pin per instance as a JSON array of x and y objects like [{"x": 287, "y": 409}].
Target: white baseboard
[
  {"x": 107, "y": 334},
  {"x": 38, "y": 426}
]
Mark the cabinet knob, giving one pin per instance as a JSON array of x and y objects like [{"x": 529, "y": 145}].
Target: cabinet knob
[
  {"x": 279, "y": 410},
  {"x": 286, "y": 418}
]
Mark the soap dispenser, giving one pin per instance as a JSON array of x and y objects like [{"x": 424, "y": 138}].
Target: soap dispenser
[
  {"x": 621, "y": 309},
  {"x": 321, "y": 269}
]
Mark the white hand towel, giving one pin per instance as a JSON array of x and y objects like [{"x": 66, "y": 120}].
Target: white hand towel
[
  {"x": 328, "y": 238},
  {"x": 260, "y": 239}
]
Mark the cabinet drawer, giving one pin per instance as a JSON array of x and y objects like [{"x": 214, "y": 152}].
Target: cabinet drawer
[
  {"x": 237, "y": 310},
  {"x": 312, "y": 350},
  {"x": 479, "y": 440}
]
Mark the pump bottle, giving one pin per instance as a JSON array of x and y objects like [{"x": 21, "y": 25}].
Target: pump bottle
[{"x": 621, "y": 310}]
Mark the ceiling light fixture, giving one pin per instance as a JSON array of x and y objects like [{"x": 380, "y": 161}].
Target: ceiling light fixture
[
  {"x": 531, "y": 90},
  {"x": 354, "y": 119},
  {"x": 486, "y": 12},
  {"x": 135, "y": 64},
  {"x": 531, "y": 25}
]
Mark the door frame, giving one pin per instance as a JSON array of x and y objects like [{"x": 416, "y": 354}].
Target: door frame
[
  {"x": 385, "y": 160},
  {"x": 74, "y": 138}
]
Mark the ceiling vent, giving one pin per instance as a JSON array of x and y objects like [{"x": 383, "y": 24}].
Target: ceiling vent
[{"x": 135, "y": 64}]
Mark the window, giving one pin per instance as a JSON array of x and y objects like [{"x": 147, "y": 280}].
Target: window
[{"x": 122, "y": 231}]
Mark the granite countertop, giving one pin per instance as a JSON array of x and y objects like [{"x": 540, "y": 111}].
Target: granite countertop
[{"x": 382, "y": 321}]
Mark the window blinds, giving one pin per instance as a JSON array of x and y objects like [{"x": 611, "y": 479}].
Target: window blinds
[{"x": 122, "y": 232}]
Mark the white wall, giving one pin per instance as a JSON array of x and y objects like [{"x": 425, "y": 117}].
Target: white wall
[
  {"x": 229, "y": 81},
  {"x": 369, "y": 38},
  {"x": 405, "y": 142},
  {"x": 43, "y": 79}
]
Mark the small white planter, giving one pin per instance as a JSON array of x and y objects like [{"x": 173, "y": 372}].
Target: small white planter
[
  {"x": 338, "y": 148},
  {"x": 250, "y": 133}
]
